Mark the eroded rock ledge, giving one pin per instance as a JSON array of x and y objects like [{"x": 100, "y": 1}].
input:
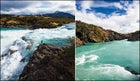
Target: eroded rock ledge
[{"x": 50, "y": 63}]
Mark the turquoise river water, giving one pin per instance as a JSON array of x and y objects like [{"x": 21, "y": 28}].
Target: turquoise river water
[{"x": 107, "y": 61}]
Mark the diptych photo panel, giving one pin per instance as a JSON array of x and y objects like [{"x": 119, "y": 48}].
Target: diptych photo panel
[{"x": 70, "y": 40}]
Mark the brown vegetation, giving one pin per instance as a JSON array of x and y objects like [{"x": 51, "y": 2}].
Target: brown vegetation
[{"x": 32, "y": 21}]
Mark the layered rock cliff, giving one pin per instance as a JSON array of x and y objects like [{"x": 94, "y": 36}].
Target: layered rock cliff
[
  {"x": 50, "y": 63},
  {"x": 90, "y": 33}
]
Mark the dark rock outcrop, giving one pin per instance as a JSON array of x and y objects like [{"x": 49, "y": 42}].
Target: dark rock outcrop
[
  {"x": 91, "y": 33},
  {"x": 133, "y": 36},
  {"x": 131, "y": 70},
  {"x": 50, "y": 63}
]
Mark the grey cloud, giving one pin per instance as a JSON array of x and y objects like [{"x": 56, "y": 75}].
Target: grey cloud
[
  {"x": 34, "y": 7},
  {"x": 65, "y": 6},
  {"x": 8, "y": 5}
]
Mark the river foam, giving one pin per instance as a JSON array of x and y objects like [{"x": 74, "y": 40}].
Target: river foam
[
  {"x": 85, "y": 59},
  {"x": 17, "y": 46},
  {"x": 105, "y": 72}
]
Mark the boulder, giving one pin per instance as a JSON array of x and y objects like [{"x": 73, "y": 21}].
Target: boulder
[{"x": 50, "y": 63}]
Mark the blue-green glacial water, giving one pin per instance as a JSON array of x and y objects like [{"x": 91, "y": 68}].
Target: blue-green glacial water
[
  {"x": 23, "y": 42},
  {"x": 107, "y": 61}
]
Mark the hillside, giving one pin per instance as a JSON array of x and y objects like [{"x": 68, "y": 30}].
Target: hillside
[
  {"x": 90, "y": 33},
  {"x": 32, "y": 21}
]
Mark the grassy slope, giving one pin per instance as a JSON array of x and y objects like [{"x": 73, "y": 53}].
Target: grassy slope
[{"x": 35, "y": 21}]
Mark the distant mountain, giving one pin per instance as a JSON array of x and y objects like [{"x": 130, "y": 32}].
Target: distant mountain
[{"x": 59, "y": 14}]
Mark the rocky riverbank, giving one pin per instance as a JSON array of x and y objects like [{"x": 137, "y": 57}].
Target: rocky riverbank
[
  {"x": 32, "y": 21},
  {"x": 90, "y": 33},
  {"x": 50, "y": 63}
]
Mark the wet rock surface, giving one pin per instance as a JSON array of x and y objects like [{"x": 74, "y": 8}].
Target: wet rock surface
[
  {"x": 50, "y": 63},
  {"x": 131, "y": 70}
]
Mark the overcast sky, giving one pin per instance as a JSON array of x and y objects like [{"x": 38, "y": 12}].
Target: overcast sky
[
  {"x": 36, "y": 7},
  {"x": 120, "y": 16}
]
